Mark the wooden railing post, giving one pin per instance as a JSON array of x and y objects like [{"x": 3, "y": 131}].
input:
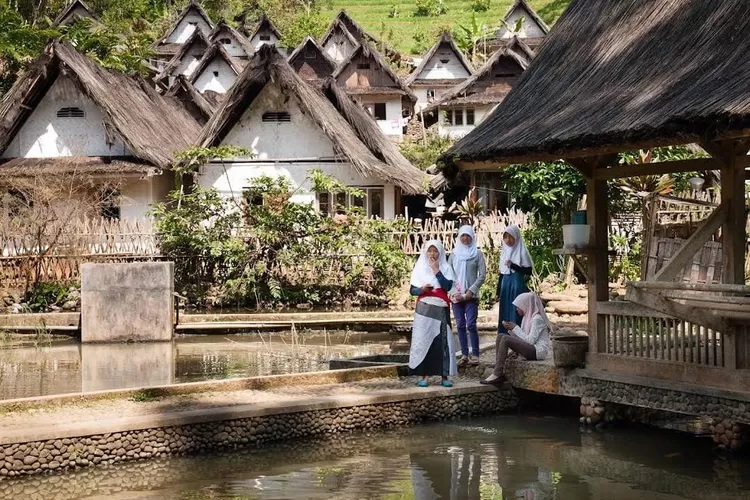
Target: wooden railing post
[{"x": 598, "y": 261}]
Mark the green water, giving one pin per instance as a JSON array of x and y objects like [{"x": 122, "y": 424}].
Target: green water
[{"x": 505, "y": 457}]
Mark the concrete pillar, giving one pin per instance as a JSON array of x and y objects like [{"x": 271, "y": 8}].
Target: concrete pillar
[{"x": 121, "y": 302}]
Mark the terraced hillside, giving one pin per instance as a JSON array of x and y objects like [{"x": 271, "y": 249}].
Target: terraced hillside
[{"x": 400, "y": 31}]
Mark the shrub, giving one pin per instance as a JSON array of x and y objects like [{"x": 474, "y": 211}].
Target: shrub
[
  {"x": 430, "y": 8},
  {"x": 480, "y": 5}
]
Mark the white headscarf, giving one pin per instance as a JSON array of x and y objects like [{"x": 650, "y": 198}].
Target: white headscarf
[
  {"x": 422, "y": 274},
  {"x": 518, "y": 254},
  {"x": 462, "y": 254},
  {"x": 530, "y": 304}
]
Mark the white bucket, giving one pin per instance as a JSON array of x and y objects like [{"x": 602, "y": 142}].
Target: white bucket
[{"x": 576, "y": 235}]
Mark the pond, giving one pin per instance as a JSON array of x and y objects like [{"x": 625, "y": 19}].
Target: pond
[
  {"x": 30, "y": 368},
  {"x": 505, "y": 457}
]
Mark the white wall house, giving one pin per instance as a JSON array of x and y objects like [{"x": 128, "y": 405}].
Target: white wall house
[
  {"x": 123, "y": 136},
  {"x": 75, "y": 10},
  {"x": 387, "y": 111},
  {"x": 265, "y": 33},
  {"x": 443, "y": 67},
  {"x": 186, "y": 26},
  {"x": 216, "y": 71},
  {"x": 338, "y": 43},
  {"x": 191, "y": 19},
  {"x": 458, "y": 121},
  {"x": 289, "y": 143},
  {"x": 66, "y": 123},
  {"x": 532, "y": 27},
  {"x": 234, "y": 43}
]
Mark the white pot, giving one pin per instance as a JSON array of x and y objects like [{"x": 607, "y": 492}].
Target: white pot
[{"x": 576, "y": 235}]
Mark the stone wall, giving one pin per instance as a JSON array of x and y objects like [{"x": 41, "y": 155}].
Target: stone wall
[{"x": 41, "y": 457}]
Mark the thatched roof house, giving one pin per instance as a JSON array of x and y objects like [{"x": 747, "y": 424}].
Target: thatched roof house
[
  {"x": 201, "y": 106},
  {"x": 216, "y": 71},
  {"x": 152, "y": 127},
  {"x": 77, "y": 9},
  {"x": 634, "y": 72},
  {"x": 344, "y": 29},
  {"x": 264, "y": 33},
  {"x": 533, "y": 28},
  {"x": 268, "y": 68},
  {"x": 444, "y": 66},
  {"x": 234, "y": 42},
  {"x": 191, "y": 18},
  {"x": 310, "y": 62},
  {"x": 185, "y": 59}
]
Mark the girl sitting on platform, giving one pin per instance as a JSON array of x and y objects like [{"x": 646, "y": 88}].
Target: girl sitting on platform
[{"x": 531, "y": 340}]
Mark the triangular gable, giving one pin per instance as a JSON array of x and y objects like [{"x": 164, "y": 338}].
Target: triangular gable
[
  {"x": 268, "y": 65},
  {"x": 197, "y": 39},
  {"x": 215, "y": 51},
  {"x": 445, "y": 42},
  {"x": 310, "y": 62},
  {"x": 356, "y": 34},
  {"x": 77, "y": 9},
  {"x": 347, "y": 74},
  {"x": 503, "y": 68},
  {"x": 224, "y": 30},
  {"x": 192, "y": 8},
  {"x": 533, "y": 26},
  {"x": 153, "y": 127},
  {"x": 264, "y": 25}
]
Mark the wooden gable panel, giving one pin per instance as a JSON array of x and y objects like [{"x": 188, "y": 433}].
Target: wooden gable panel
[{"x": 364, "y": 71}]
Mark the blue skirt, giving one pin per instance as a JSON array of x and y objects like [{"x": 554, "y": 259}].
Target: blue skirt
[{"x": 513, "y": 285}]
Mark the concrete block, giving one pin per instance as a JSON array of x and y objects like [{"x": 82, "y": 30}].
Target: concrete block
[
  {"x": 133, "y": 301},
  {"x": 123, "y": 366}
]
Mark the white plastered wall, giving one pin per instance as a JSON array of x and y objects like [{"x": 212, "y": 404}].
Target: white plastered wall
[
  {"x": 217, "y": 76},
  {"x": 185, "y": 29}
]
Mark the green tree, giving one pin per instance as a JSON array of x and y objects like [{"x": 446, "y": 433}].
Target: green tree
[{"x": 20, "y": 43}]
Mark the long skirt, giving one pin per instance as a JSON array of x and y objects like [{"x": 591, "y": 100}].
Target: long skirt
[
  {"x": 432, "y": 351},
  {"x": 512, "y": 286}
]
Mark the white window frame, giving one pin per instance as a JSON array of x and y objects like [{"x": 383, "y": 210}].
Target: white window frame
[{"x": 350, "y": 201}]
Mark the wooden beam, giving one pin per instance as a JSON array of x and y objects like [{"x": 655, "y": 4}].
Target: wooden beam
[
  {"x": 691, "y": 287},
  {"x": 747, "y": 175},
  {"x": 685, "y": 255},
  {"x": 666, "y": 306},
  {"x": 733, "y": 232},
  {"x": 659, "y": 168}
]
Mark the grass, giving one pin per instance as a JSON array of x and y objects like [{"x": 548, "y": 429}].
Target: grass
[
  {"x": 145, "y": 396},
  {"x": 400, "y": 31}
]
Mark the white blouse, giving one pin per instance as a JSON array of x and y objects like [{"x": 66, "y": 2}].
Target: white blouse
[{"x": 538, "y": 336}]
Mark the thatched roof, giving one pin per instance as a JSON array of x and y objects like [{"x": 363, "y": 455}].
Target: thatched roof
[
  {"x": 152, "y": 126},
  {"x": 370, "y": 133},
  {"x": 200, "y": 106},
  {"x": 314, "y": 69},
  {"x": 264, "y": 24},
  {"x": 62, "y": 17},
  {"x": 196, "y": 38},
  {"x": 215, "y": 50},
  {"x": 622, "y": 74},
  {"x": 357, "y": 34},
  {"x": 374, "y": 56},
  {"x": 224, "y": 29},
  {"x": 76, "y": 165},
  {"x": 484, "y": 87},
  {"x": 446, "y": 41},
  {"x": 528, "y": 12},
  {"x": 193, "y": 5},
  {"x": 269, "y": 66}
]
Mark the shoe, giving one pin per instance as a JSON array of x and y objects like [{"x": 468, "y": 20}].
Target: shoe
[
  {"x": 423, "y": 383},
  {"x": 446, "y": 383},
  {"x": 498, "y": 382},
  {"x": 463, "y": 361},
  {"x": 474, "y": 360}
]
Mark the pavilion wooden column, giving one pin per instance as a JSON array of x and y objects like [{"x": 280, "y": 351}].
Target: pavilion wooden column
[
  {"x": 733, "y": 235},
  {"x": 598, "y": 260}
]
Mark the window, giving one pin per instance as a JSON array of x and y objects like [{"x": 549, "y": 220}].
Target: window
[
  {"x": 71, "y": 112},
  {"x": 449, "y": 116},
  {"x": 109, "y": 203},
  {"x": 216, "y": 74},
  {"x": 363, "y": 66},
  {"x": 225, "y": 41},
  {"x": 265, "y": 38},
  {"x": 430, "y": 94},
  {"x": 380, "y": 111},
  {"x": 470, "y": 116},
  {"x": 193, "y": 23},
  {"x": 372, "y": 204},
  {"x": 277, "y": 117},
  {"x": 458, "y": 117}
]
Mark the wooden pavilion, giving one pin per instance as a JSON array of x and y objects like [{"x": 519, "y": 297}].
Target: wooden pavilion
[{"x": 616, "y": 76}]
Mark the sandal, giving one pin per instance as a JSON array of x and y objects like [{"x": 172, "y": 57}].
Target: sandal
[
  {"x": 498, "y": 382},
  {"x": 474, "y": 360},
  {"x": 423, "y": 383},
  {"x": 446, "y": 383},
  {"x": 463, "y": 361}
]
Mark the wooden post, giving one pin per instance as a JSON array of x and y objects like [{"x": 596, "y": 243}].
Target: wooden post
[
  {"x": 598, "y": 260},
  {"x": 733, "y": 230}
]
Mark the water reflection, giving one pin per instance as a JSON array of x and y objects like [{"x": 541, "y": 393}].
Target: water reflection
[
  {"x": 30, "y": 368},
  {"x": 508, "y": 457}
]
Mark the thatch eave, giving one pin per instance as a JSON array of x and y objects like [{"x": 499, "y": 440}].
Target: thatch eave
[{"x": 192, "y": 4}]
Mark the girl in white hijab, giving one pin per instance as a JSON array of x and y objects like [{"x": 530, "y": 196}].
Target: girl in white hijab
[
  {"x": 470, "y": 270},
  {"x": 432, "y": 352},
  {"x": 515, "y": 268}
]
